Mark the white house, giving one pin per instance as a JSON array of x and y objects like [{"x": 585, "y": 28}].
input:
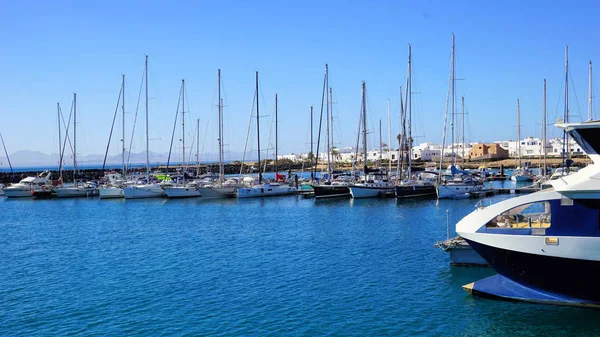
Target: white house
[
  {"x": 532, "y": 147},
  {"x": 293, "y": 157},
  {"x": 427, "y": 151}
]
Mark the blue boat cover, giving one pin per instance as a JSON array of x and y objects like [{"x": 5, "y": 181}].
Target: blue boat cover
[{"x": 500, "y": 286}]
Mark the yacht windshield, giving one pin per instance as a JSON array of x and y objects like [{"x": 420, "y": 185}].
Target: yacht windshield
[{"x": 589, "y": 139}]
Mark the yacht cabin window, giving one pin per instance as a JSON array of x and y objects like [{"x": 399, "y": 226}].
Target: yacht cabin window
[{"x": 532, "y": 215}]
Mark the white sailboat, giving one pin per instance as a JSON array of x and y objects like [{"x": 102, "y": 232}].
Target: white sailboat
[
  {"x": 114, "y": 181},
  {"x": 222, "y": 188},
  {"x": 188, "y": 189},
  {"x": 78, "y": 189},
  {"x": 145, "y": 188},
  {"x": 461, "y": 183},
  {"x": 371, "y": 184},
  {"x": 264, "y": 189}
]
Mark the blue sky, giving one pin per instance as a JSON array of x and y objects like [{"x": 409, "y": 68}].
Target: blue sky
[{"x": 504, "y": 51}]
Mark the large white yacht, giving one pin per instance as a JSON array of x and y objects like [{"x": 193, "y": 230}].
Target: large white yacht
[
  {"x": 545, "y": 246},
  {"x": 27, "y": 186}
]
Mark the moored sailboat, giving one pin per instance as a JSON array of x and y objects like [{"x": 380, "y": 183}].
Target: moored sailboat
[
  {"x": 78, "y": 189},
  {"x": 112, "y": 188},
  {"x": 461, "y": 184},
  {"x": 333, "y": 186},
  {"x": 222, "y": 188},
  {"x": 411, "y": 187},
  {"x": 263, "y": 189},
  {"x": 372, "y": 184},
  {"x": 188, "y": 189},
  {"x": 145, "y": 188}
]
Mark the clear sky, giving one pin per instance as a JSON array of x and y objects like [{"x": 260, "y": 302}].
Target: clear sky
[{"x": 504, "y": 51}]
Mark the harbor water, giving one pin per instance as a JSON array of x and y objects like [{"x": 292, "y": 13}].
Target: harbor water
[{"x": 286, "y": 266}]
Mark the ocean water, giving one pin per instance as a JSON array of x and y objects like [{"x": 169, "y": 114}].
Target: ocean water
[{"x": 284, "y": 266}]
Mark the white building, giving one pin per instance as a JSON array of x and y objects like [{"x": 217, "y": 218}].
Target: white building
[
  {"x": 532, "y": 147},
  {"x": 426, "y": 151},
  {"x": 293, "y": 157},
  {"x": 459, "y": 149}
]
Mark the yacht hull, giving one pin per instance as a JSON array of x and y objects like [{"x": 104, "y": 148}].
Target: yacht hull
[
  {"x": 182, "y": 192},
  {"x": 18, "y": 192},
  {"x": 564, "y": 278},
  {"x": 358, "y": 192},
  {"x": 217, "y": 192},
  {"x": 331, "y": 191},
  {"x": 416, "y": 191},
  {"x": 111, "y": 193},
  {"x": 143, "y": 191}
]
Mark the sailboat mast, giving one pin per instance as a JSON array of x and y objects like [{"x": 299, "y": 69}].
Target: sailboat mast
[
  {"x": 453, "y": 85},
  {"x": 380, "y": 146},
  {"x": 221, "y": 166},
  {"x": 183, "y": 122},
  {"x": 276, "y": 168},
  {"x": 544, "y": 129},
  {"x": 258, "y": 131},
  {"x": 462, "y": 115},
  {"x": 409, "y": 104},
  {"x": 327, "y": 114},
  {"x": 59, "y": 141},
  {"x": 197, "y": 147},
  {"x": 147, "y": 139},
  {"x": 590, "y": 94},
  {"x": 402, "y": 135},
  {"x": 331, "y": 118},
  {"x": 565, "y": 136},
  {"x": 74, "y": 137},
  {"x": 312, "y": 159},
  {"x": 6, "y": 152},
  {"x": 389, "y": 172},
  {"x": 364, "y": 129},
  {"x": 518, "y": 133},
  {"x": 124, "y": 170}
]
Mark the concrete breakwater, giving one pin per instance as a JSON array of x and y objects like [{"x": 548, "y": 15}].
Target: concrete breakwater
[
  {"x": 283, "y": 167},
  {"x": 96, "y": 174}
]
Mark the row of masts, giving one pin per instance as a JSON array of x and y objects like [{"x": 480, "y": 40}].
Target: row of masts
[{"x": 406, "y": 141}]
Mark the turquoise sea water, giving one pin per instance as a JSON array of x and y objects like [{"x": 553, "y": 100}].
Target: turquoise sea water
[{"x": 261, "y": 267}]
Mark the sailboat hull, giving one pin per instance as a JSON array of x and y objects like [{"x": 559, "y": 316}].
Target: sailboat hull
[
  {"x": 111, "y": 192},
  {"x": 217, "y": 192},
  {"x": 265, "y": 191},
  {"x": 519, "y": 178},
  {"x": 456, "y": 190},
  {"x": 76, "y": 192},
  {"x": 370, "y": 191},
  {"x": 331, "y": 191},
  {"x": 182, "y": 192},
  {"x": 143, "y": 191},
  {"x": 416, "y": 191}
]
